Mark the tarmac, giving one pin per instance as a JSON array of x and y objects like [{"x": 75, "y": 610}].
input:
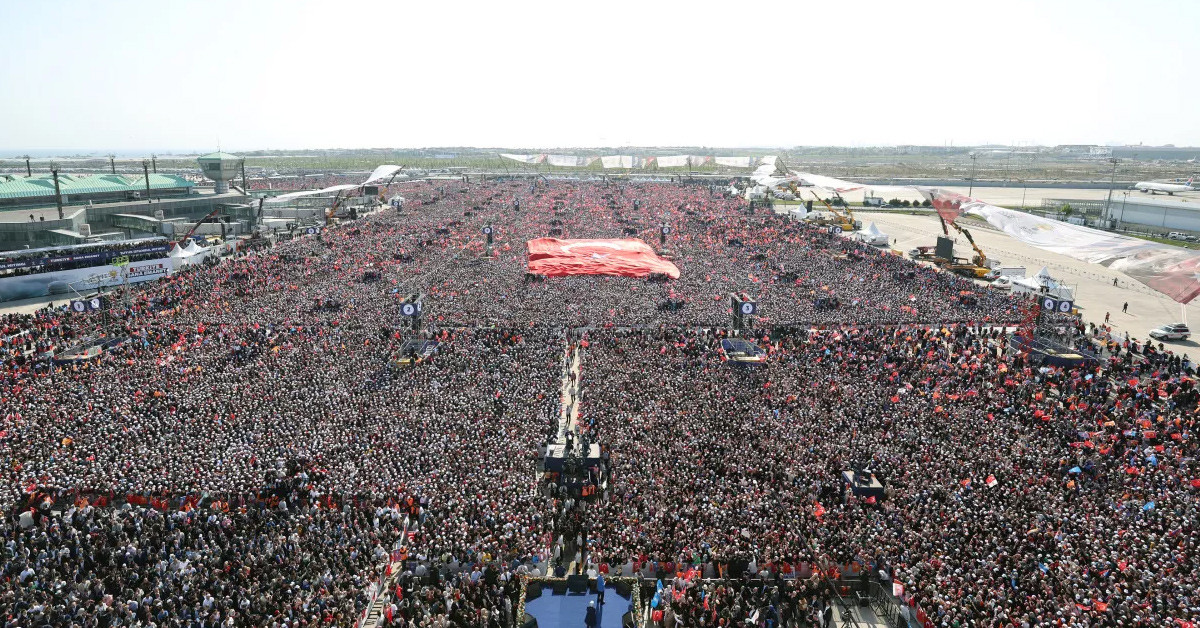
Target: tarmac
[
  {"x": 1095, "y": 294},
  {"x": 1017, "y": 196}
]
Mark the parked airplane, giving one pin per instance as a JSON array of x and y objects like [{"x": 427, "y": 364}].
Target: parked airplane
[{"x": 1155, "y": 187}]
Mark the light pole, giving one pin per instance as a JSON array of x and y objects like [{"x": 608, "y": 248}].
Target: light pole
[
  {"x": 28, "y": 170},
  {"x": 1112, "y": 182},
  {"x": 154, "y": 163},
  {"x": 971, "y": 189},
  {"x": 146, "y": 176},
  {"x": 112, "y": 163},
  {"x": 57, "y": 191},
  {"x": 1121, "y": 220}
]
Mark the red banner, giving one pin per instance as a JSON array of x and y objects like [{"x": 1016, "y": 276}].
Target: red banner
[{"x": 624, "y": 258}]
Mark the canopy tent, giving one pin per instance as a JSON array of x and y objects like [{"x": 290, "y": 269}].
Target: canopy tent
[{"x": 872, "y": 235}]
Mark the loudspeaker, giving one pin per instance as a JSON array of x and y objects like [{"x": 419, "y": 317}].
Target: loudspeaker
[
  {"x": 559, "y": 587},
  {"x": 533, "y": 591},
  {"x": 528, "y": 621},
  {"x": 628, "y": 621},
  {"x": 577, "y": 584}
]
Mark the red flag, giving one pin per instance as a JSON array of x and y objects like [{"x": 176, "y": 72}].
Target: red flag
[{"x": 625, "y": 258}]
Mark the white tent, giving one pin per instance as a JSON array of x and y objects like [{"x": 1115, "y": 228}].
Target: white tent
[
  {"x": 1043, "y": 284},
  {"x": 873, "y": 236}
]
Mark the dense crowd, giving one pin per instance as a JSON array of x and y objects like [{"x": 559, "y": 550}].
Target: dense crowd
[
  {"x": 80, "y": 256},
  {"x": 249, "y": 453}
]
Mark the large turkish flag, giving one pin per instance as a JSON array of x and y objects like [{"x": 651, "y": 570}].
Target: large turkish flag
[{"x": 625, "y": 258}]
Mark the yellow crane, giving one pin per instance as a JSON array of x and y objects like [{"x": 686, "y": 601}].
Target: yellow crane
[
  {"x": 846, "y": 222},
  {"x": 979, "y": 264}
]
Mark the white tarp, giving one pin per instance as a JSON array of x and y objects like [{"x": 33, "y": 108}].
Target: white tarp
[
  {"x": 699, "y": 160},
  {"x": 617, "y": 161},
  {"x": 283, "y": 198},
  {"x": 1171, "y": 270},
  {"x": 563, "y": 161},
  {"x": 673, "y": 161},
  {"x": 829, "y": 183},
  {"x": 382, "y": 172},
  {"x": 525, "y": 159},
  {"x": 733, "y": 162},
  {"x": 769, "y": 160}
]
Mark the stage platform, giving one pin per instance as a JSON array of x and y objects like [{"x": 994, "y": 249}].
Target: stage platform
[
  {"x": 873, "y": 488},
  {"x": 1050, "y": 353},
  {"x": 568, "y": 611}
]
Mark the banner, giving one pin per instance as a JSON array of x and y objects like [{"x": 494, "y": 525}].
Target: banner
[
  {"x": 617, "y": 161},
  {"x": 101, "y": 256},
  {"x": 562, "y": 161},
  {"x": 1170, "y": 270},
  {"x": 699, "y": 160},
  {"x": 283, "y": 198},
  {"x": 382, "y": 172},
  {"x": 733, "y": 162},
  {"x": 674, "y": 161},
  {"x": 525, "y": 159},
  {"x": 68, "y": 282},
  {"x": 624, "y": 258}
]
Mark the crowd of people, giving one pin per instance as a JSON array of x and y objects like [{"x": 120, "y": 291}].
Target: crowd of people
[
  {"x": 249, "y": 451},
  {"x": 81, "y": 256}
]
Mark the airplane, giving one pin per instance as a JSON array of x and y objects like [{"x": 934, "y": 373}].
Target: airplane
[{"x": 1155, "y": 187}]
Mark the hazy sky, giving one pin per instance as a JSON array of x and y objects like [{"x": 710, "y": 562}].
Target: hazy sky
[{"x": 122, "y": 75}]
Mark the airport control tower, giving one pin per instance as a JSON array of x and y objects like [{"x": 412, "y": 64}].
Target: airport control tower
[{"x": 221, "y": 168}]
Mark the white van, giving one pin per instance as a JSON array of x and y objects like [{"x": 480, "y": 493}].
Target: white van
[{"x": 1011, "y": 272}]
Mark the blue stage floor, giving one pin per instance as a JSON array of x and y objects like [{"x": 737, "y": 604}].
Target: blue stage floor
[{"x": 568, "y": 611}]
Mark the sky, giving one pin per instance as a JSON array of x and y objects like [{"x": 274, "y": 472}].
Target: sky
[{"x": 256, "y": 75}]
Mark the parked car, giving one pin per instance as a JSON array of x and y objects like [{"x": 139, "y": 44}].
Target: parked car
[
  {"x": 1001, "y": 283},
  {"x": 1174, "y": 331},
  {"x": 1176, "y": 235}
]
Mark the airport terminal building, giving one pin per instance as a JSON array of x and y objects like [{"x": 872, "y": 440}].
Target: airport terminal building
[{"x": 55, "y": 210}]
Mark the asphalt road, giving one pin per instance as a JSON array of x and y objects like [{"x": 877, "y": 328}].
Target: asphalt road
[{"x": 1095, "y": 293}]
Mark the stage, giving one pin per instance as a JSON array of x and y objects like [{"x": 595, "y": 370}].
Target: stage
[
  {"x": 873, "y": 488},
  {"x": 568, "y": 610}
]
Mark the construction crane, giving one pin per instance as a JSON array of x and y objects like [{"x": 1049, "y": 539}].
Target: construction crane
[
  {"x": 196, "y": 226},
  {"x": 979, "y": 264},
  {"x": 846, "y": 222}
]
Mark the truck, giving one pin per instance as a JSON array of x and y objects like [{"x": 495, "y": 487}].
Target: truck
[
  {"x": 1012, "y": 272},
  {"x": 923, "y": 253}
]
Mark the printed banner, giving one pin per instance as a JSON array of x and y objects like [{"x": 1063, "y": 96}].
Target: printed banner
[
  {"x": 625, "y": 258},
  {"x": 617, "y": 161},
  {"x": 673, "y": 161},
  {"x": 525, "y": 159},
  {"x": 68, "y": 282},
  {"x": 563, "y": 161},
  {"x": 734, "y": 162},
  {"x": 1170, "y": 270}
]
